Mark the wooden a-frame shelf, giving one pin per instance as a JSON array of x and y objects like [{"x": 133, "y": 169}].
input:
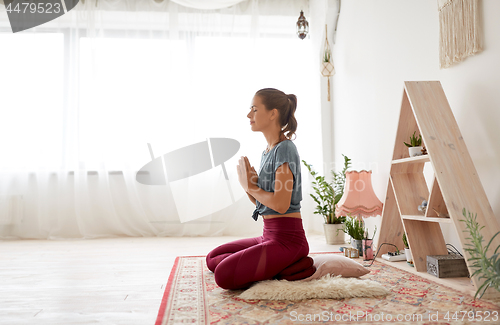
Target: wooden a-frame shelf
[{"x": 456, "y": 185}]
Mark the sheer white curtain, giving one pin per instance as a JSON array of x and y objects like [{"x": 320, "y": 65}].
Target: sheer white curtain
[{"x": 84, "y": 94}]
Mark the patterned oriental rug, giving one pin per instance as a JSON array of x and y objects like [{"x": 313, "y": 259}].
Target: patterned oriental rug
[{"x": 192, "y": 296}]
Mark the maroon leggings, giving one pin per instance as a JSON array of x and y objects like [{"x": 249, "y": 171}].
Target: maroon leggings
[{"x": 238, "y": 264}]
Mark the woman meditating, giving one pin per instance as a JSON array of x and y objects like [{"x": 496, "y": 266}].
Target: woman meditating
[{"x": 281, "y": 251}]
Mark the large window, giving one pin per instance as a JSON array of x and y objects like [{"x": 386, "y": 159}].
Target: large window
[
  {"x": 121, "y": 93},
  {"x": 83, "y": 95},
  {"x": 31, "y": 100}
]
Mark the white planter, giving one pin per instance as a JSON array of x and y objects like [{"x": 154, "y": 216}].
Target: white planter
[
  {"x": 331, "y": 234},
  {"x": 409, "y": 257},
  {"x": 415, "y": 151}
]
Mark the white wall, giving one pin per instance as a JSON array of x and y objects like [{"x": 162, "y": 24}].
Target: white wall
[{"x": 380, "y": 44}]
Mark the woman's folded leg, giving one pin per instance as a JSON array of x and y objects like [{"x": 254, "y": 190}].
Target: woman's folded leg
[
  {"x": 223, "y": 251},
  {"x": 299, "y": 270},
  {"x": 256, "y": 263}
]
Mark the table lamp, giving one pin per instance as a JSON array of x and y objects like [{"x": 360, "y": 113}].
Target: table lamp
[{"x": 359, "y": 200}]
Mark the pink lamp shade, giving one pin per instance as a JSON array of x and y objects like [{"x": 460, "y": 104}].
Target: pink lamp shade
[{"x": 359, "y": 198}]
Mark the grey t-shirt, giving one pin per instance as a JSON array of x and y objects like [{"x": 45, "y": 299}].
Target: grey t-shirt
[{"x": 285, "y": 151}]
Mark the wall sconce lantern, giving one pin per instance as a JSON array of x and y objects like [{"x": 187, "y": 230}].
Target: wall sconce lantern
[{"x": 302, "y": 26}]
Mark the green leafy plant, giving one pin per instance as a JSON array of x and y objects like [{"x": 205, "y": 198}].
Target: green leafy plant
[
  {"x": 487, "y": 268},
  {"x": 339, "y": 180},
  {"x": 328, "y": 194},
  {"x": 354, "y": 228},
  {"x": 405, "y": 240},
  {"x": 327, "y": 56},
  {"x": 414, "y": 141}
]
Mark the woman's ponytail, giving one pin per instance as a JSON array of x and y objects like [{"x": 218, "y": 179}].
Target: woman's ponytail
[{"x": 291, "y": 121}]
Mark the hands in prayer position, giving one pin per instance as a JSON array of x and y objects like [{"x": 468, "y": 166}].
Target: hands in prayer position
[{"x": 247, "y": 176}]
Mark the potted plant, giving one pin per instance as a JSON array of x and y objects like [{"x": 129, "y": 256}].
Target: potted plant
[
  {"x": 326, "y": 57},
  {"x": 487, "y": 268},
  {"x": 367, "y": 244},
  {"x": 328, "y": 68},
  {"x": 409, "y": 257},
  {"x": 354, "y": 228},
  {"x": 415, "y": 145},
  {"x": 326, "y": 197}
]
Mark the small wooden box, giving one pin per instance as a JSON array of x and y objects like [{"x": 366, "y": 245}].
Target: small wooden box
[
  {"x": 351, "y": 252},
  {"x": 447, "y": 266}
]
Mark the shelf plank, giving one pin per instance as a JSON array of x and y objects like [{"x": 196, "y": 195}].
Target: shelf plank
[
  {"x": 412, "y": 160},
  {"x": 427, "y": 219}
]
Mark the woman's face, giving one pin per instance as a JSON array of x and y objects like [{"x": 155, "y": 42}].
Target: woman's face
[{"x": 260, "y": 117}]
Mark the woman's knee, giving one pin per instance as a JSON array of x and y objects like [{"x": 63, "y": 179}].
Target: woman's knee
[
  {"x": 213, "y": 260},
  {"x": 224, "y": 277},
  {"x": 211, "y": 264}
]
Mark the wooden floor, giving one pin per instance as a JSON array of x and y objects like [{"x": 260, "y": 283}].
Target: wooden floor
[{"x": 98, "y": 281}]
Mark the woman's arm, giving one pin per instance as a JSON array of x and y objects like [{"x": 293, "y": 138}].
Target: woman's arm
[
  {"x": 280, "y": 199},
  {"x": 251, "y": 198}
]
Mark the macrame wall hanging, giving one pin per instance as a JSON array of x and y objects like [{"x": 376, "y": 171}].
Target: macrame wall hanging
[
  {"x": 327, "y": 69},
  {"x": 459, "y": 31}
]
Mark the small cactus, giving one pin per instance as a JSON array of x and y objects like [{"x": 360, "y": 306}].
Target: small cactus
[
  {"x": 405, "y": 240},
  {"x": 414, "y": 141}
]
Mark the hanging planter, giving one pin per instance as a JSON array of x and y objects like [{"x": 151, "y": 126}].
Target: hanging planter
[{"x": 327, "y": 68}]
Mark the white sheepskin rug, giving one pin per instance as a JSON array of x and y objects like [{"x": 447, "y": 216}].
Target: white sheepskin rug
[{"x": 327, "y": 287}]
